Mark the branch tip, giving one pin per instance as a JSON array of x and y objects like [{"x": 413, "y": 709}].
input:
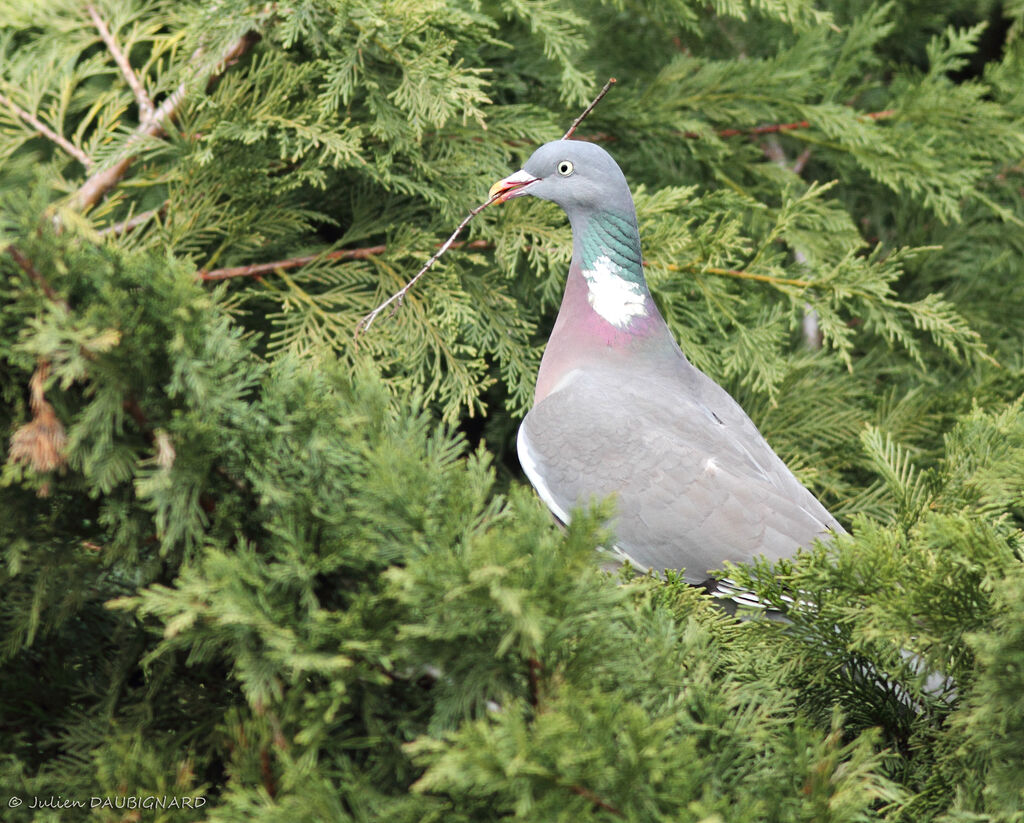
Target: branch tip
[
  {"x": 41, "y": 128},
  {"x": 607, "y": 87}
]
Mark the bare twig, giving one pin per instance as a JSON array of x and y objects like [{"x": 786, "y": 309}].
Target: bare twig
[
  {"x": 103, "y": 181},
  {"x": 259, "y": 269},
  {"x": 47, "y": 132},
  {"x": 141, "y": 97},
  {"x": 399, "y": 295},
  {"x": 771, "y": 128},
  {"x": 572, "y": 129}
]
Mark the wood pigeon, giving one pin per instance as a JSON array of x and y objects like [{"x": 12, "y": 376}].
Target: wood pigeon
[{"x": 619, "y": 410}]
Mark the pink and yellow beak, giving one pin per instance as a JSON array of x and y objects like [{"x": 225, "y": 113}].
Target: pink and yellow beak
[{"x": 511, "y": 186}]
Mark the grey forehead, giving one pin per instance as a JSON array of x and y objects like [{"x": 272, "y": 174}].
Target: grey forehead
[{"x": 576, "y": 151}]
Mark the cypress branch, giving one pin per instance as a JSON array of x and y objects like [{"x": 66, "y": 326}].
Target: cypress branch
[
  {"x": 39, "y": 126},
  {"x": 590, "y": 107},
  {"x": 126, "y": 226},
  {"x": 142, "y": 98},
  {"x": 93, "y": 189}
]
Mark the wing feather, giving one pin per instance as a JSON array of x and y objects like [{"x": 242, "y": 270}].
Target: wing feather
[{"x": 696, "y": 483}]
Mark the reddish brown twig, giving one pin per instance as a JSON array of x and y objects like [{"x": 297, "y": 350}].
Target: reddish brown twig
[
  {"x": 103, "y": 181},
  {"x": 777, "y": 127},
  {"x": 771, "y": 128},
  {"x": 141, "y": 97},
  {"x": 607, "y": 87},
  {"x": 259, "y": 269},
  {"x": 594, "y": 798},
  {"x": 47, "y": 132},
  {"x": 533, "y": 675},
  {"x": 26, "y": 266},
  {"x": 267, "y": 773}
]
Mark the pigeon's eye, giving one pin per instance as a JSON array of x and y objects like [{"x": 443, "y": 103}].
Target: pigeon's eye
[{"x": 565, "y": 168}]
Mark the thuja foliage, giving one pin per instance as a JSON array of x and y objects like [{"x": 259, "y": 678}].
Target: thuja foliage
[{"x": 255, "y": 567}]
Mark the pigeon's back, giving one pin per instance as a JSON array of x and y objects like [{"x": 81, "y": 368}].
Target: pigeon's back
[{"x": 694, "y": 482}]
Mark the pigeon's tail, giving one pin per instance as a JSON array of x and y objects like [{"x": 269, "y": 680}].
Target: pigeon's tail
[
  {"x": 743, "y": 603},
  {"x": 739, "y": 602}
]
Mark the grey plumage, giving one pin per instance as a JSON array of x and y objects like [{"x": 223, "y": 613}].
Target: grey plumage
[
  {"x": 619, "y": 410},
  {"x": 694, "y": 482}
]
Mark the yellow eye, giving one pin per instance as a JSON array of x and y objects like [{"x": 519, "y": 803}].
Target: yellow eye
[{"x": 565, "y": 168}]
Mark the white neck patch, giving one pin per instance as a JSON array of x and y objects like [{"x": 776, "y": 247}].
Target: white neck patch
[{"x": 615, "y": 298}]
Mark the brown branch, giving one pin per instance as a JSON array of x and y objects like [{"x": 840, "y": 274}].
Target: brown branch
[
  {"x": 572, "y": 129},
  {"x": 259, "y": 269},
  {"x": 745, "y": 275},
  {"x": 399, "y": 295},
  {"x": 267, "y": 773},
  {"x": 141, "y": 97},
  {"x": 132, "y": 223},
  {"x": 771, "y": 128},
  {"x": 47, "y": 132},
  {"x": 777, "y": 127},
  {"x": 533, "y": 674},
  {"x": 103, "y": 181},
  {"x": 26, "y": 266},
  {"x": 594, "y": 798}
]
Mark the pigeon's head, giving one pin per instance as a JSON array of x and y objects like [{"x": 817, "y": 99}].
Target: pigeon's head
[{"x": 571, "y": 173}]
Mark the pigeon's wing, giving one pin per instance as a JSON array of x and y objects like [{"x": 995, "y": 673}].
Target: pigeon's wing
[{"x": 693, "y": 485}]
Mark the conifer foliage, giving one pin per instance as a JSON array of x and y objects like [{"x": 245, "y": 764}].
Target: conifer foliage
[{"x": 256, "y": 567}]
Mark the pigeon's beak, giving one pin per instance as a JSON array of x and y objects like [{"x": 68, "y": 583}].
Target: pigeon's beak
[{"x": 512, "y": 186}]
